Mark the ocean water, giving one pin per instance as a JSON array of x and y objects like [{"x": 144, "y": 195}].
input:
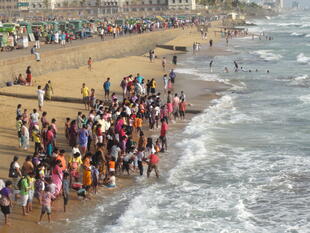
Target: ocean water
[{"x": 243, "y": 164}]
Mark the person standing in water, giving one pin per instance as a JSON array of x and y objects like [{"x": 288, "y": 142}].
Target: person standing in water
[
  {"x": 210, "y": 65},
  {"x": 211, "y": 43},
  {"x": 236, "y": 66}
]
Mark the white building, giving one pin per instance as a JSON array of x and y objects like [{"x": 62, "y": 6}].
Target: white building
[
  {"x": 181, "y": 4},
  {"x": 280, "y": 4}
]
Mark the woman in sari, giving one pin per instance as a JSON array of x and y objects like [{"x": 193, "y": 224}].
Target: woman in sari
[
  {"x": 49, "y": 90},
  {"x": 57, "y": 175},
  {"x": 73, "y": 132},
  {"x": 87, "y": 180},
  {"x": 24, "y": 136}
]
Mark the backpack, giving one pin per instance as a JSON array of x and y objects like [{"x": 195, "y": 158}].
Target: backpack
[{"x": 12, "y": 171}]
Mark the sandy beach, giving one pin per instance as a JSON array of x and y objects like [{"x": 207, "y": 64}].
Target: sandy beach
[{"x": 67, "y": 83}]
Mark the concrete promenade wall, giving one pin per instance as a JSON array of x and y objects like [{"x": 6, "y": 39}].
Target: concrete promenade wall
[{"x": 73, "y": 57}]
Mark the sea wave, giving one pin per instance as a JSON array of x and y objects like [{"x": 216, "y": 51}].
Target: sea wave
[
  {"x": 305, "y": 99},
  {"x": 296, "y": 34},
  {"x": 267, "y": 55},
  {"x": 305, "y": 25},
  {"x": 286, "y": 24},
  {"x": 302, "y": 59},
  {"x": 201, "y": 76},
  {"x": 301, "y": 77},
  {"x": 175, "y": 196}
]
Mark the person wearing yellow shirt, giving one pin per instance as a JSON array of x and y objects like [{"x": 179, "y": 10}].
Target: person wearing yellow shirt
[
  {"x": 85, "y": 94},
  {"x": 36, "y": 138},
  {"x": 74, "y": 166},
  {"x": 153, "y": 86}
]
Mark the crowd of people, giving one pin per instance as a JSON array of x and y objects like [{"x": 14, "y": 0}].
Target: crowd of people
[{"x": 111, "y": 140}]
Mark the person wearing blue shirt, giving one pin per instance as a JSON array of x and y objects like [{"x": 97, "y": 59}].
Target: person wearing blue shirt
[
  {"x": 172, "y": 76},
  {"x": 139, "y": 78},
  {"x": 106, "y": 87}
]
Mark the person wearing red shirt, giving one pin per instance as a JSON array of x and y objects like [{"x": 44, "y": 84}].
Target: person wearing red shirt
[
  {"x": 163, "y": 137},
  {"x": 182, "y": 109},
  {"x": 49, "y": 141},
  {"x": 153, "y": 162}
]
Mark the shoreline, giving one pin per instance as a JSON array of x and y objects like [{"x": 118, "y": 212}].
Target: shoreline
[{"x": 123, "y": 183}]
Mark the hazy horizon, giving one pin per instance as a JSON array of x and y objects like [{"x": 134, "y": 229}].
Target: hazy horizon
[{"x": 288, "y": 3}]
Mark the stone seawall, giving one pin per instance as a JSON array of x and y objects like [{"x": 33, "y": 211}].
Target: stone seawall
[{"x": 73, "y": 57}]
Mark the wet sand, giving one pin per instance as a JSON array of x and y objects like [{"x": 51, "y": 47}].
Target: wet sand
[{"x": 68, "y": 83}]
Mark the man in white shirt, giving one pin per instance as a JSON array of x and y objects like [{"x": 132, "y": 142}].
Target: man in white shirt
[
  {"x": 41, "y": 94},
  {"x": 35, "y": 117}
]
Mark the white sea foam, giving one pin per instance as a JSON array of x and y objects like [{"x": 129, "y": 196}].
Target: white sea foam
[
  {"x": 183, "y": 213},
  {"x": 305, "y": 25},
  {"x": 286, "y": 24},
  {"x": 301, "y": 77},
  {"x": 305, "y": 99},
  {"x": 267, "y": 55},
  {"x": 302, "y": 59},
  {"x": 296, "y": 34},
  {"x": 202, "y": 76},
  {"x": 307, "y": 35}
]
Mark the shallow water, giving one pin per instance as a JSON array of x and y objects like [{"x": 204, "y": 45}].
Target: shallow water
[{"x": 243, "y": 164}]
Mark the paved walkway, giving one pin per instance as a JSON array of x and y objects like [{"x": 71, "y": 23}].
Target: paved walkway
[{"x": 46, "y": 47}]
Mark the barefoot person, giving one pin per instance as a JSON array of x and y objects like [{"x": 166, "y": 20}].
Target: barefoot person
[
  {"x": 28, "y": 76},
  {"x": 85, "y": 94},
  {"x": 24, "y": 193},
  {"x": 164, "y": 63},
  {"x": 89, "y": 63},
  {"x": 106, "y": 88},
  {"x": 46, "y": 200},
  {"x": 41, "y": 94},
  {"x": 5, "y": 201},
  {"x": 153, "y": 162}
]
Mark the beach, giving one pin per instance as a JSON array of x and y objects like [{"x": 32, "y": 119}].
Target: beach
[{"x": 67, "y": 83}]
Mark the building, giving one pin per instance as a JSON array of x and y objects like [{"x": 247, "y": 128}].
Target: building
[
  {"x": 144, "y": 5},
  {"x": 276, "y": 4},
  {"x": 11, "y": 8},
  {"x": 181, "y": 4},
  {"x": 280, "y": 4},
  {"x": 295, "y": 5}
]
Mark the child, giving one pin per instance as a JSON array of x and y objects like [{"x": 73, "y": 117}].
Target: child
[
  {"x": 112, "y": 165},
  {"x": 65, "y": 189},
  {"x": 67, "y": 126},
  {"x": 46, "y": 201},
  {"x": 138, "y": 123},
  {"x": 39, "y": 187},
  {"x": 111, "y": 181},
  {"x": 82, "y": 193},
  {"x": 95, "y": 177},
  {"x": 89, "y": 63},
  {"x": 157, "y": 145}
]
